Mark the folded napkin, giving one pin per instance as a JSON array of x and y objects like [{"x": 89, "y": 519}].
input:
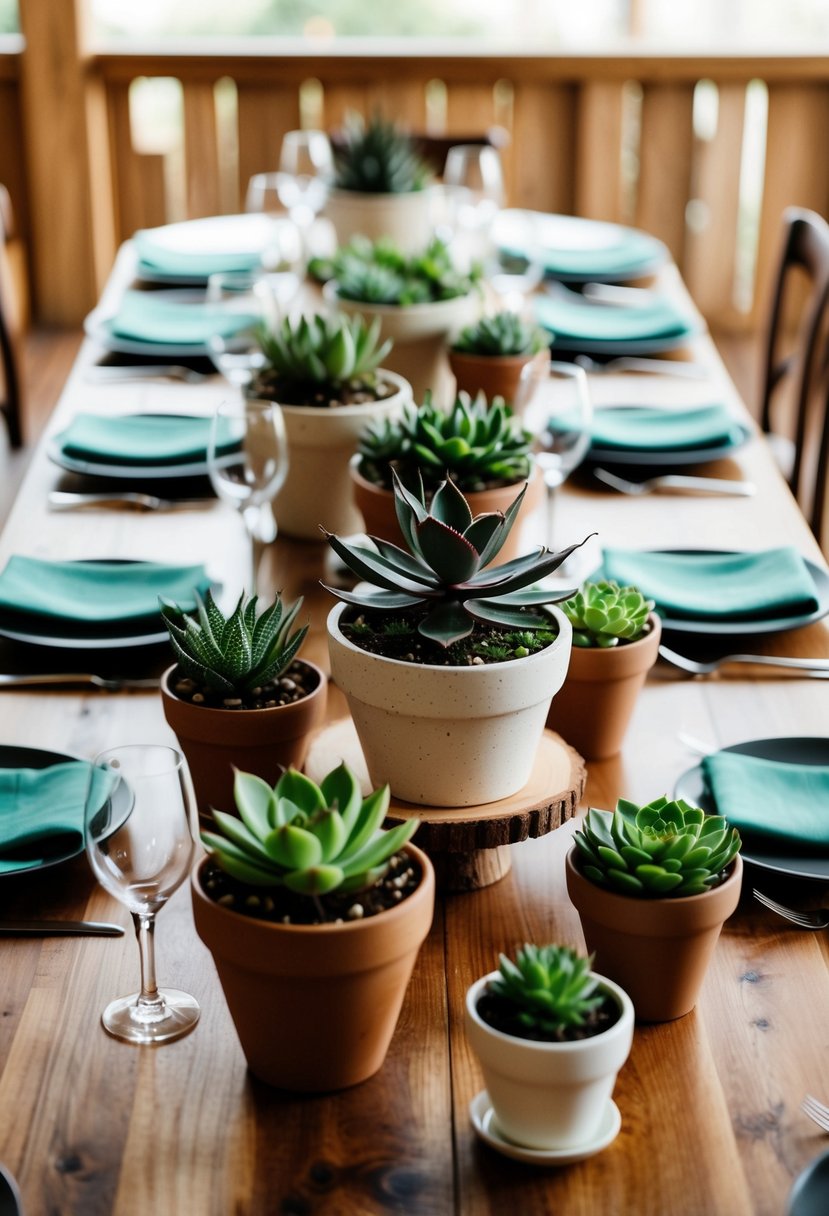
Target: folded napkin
[
  {"x": 143, "y": 317},
  {"x": 95, "y": 592},
  {"x": 577, "y": 319},
  {"x": 644, "y": 429},
  {"x": 139, "y": 439},
  {"x": 718, "y": 586},
  {"x": 781, "y": 802},
  {"x": 42, "y": 812},
  {"x": 220, "y": 248}
]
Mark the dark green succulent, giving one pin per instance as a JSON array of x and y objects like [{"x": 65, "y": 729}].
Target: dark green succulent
[
  {"x": 477, "y": 445},
  {"x": 603, "y": 614},
  {"x": 546, "y": 990},
  {"x": 443, "y": 573},
  {"x": 378, "y": 273},
  {"x": 378, "y": 158},
  {"x": 322, "y": 353},
  {"x": 234, "y": 654},
  {"x": 662, "y": 849},
  {"x": 309, "y": 838},
  {"x": 504, "y": 333}
]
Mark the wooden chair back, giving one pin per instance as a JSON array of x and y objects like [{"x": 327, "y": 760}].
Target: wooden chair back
[{"x": 10, "y": 353}]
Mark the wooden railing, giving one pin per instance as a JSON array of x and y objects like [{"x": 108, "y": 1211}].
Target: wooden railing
[{"x": 703, "y": 151}]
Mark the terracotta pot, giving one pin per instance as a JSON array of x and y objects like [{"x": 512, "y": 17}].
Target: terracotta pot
[
  {"x": 260, "y": 741},
  {"x": 550, "y": 1095},
  {"x": 315, "y": 1006},
  {"x": 376, "y": 506},
  {"x": 405, "y": 219},
  {"x": 657, "y": 949},
  {"x": 493, "y": 375},
  {"x": 449, "y": 736},
  {"x": 596, "y": 702},
  {"x": 420, "y": 333},
  {"x": 321, "y": 442}
]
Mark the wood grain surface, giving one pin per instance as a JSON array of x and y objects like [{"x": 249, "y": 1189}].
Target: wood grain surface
[{"x": 710, "y": 1118}]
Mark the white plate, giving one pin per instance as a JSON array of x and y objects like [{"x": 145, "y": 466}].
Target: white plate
[
  {"x": 574, "y": 233},
  {"x": 487, "y": 1129},
  {"x": 222, "y": 235}
]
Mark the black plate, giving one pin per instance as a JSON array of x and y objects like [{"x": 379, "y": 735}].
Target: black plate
[
  {"x": 677, "y": 458},
  {"x": 12, "y": 756},
  {"x": 810, "y": 1194},
  {"x": 766, "y": 854}
]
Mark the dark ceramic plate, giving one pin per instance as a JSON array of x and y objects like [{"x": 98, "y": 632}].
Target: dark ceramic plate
[
  {"x": 12, "y": 756},
  {"x": 810, "y": 1194}
]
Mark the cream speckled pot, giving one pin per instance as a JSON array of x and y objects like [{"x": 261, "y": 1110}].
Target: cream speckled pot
[
  {"x": 549, "y": 1095},
  {"x": 405, "y": 219},
  {"x": 449, "y": 736}
]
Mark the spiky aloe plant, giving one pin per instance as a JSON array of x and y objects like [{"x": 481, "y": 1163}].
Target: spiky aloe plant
[
  {"x": 378, "y": 158},
  {"x": 379, "y": 273},
  {"x": 474, "y": 444},
  {"x": 310, "y": 838},
  {"x": 310, "y": 354},
  {"x": 603, "y": 614},
  {"x": 663, "y": 848},
  {"x": 233, "y": 654},
  {"x": 443, "y": 573},
  {"x": 546, "y": 990},
  {"x": 504, "y": 333}
]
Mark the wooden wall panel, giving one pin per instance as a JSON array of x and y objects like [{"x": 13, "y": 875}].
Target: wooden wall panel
[
  {"x": 201, "y": 150},
  {"x": 542, "y": 154},
  {"x": 264, "y": 114},
  {"x": 665, "y": 157},
  {"x": 139, "y": 178},
  {"x": 599, "y": 191},
  {"x": 470, "y": 109},
  {"x": 402, "y": 100},
  {"x": 339, "y": 100}
]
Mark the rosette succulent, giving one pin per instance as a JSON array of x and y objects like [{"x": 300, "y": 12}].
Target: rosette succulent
[
  {"x": 443, "y": 573},
  {"x": 477, "y": 445},
  {"x": 378, "y": 273},
  {"x": 309, "y": 354},
  {"x": 603, "y": 614},
  {"x": 309, "y": 838},
  {"x": 238, "y": 653},
  {"x": 378, "y": 158},
  {"x": 504, "y": 333},
  {"x": 661, "y": 849},
  {"x": 546, "y": 990}
]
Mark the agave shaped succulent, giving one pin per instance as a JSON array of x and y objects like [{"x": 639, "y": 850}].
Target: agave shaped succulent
[
  {"x": 503, "y": 333},
  {"x": 309, "y": 838},
  {"x": 546, "y": 990},
  {"x": 663, "y": 848},
  {"x": 379, "y": 273},
  {"x": 323, "y": 351},
  {"x": 378, "y": 158},
  {"x": 443, "y": 573},
  {"x": 237, "y": 653},
  {"x": 603, "y": 614}
]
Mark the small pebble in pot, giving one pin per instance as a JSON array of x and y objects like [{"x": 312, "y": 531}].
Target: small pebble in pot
[
  {"x": 232, "y": 702},
  {"x": 355, "y": 912},
  {"x": 198, "y": 698},
  {"x": 288, "y": 684}
]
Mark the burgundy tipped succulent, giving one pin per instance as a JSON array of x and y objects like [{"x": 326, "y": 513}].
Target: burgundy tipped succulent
[{"x": 444, "y": 573}]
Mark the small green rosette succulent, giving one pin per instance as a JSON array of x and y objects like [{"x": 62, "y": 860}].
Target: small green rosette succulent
[
  {"x": 547, "y": 989},
  {"x": 604, "y": 614},
  {"x": 503, "y": 333},
  {"x": 323, "y": 352}
]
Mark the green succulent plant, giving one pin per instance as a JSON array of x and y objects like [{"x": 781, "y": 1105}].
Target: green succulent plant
[
  {"x": 378, "y": 158},
  {"x": 233, "y": 654},
  {"x": 504, "y": 333},
  {"x": 310, "y": 838},
  {"x": 380, "y": 274},
  {"x": 663, "y": 848},
  {"x": 603, "y": 614},
  {"x": 443, "y": 573},
  {"x": 547, "y": 989},
  {"x": 474, "y": 444},
  {"x": 323, "y": 353}
]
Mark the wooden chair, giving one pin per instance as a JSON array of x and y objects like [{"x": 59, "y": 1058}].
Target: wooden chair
[
  {"x": 805, "y": 249},
  {"x": 10, "y": 358}
]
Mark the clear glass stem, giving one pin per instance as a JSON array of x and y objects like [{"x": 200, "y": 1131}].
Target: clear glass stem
[
  {"x": 550, "y": 492},
  {"x": 150, "y": 1005}
]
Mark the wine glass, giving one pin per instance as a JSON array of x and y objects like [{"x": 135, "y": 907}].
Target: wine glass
[
  {"x": 554, "y": 402},
  {"x": 139, "y": 841},
  {"x": 514, "y": 273},
  {"x": 247, "y": 459},
  {"x": 473, "y": 184},
  {"x": 306, "y": 169},
  {"x": 266, "y": 298}
]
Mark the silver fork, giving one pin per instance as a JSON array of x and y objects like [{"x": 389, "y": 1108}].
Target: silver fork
[
  {"x": 818, "y": 919},
  {"x": 64, "y": 500},
  {"x": 161, "y": 371},
  {"x": 675, "y": 481},
  {"x": 817, "y": 668},
  {"x": 74, "y": 679},
  {"x": 817, "y": 1111},
  {"x": 631, "y": 363}
]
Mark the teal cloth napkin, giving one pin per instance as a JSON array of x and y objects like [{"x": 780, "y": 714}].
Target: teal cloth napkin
[
  {"x": 643, "y": 429},
  {"x": 95, "y": 592},
  {"x": 42, "y": 812},
  {"x": 143, "y": 317},
  {"x": 783, "y": 802},
  {"x": 139, "y": 439},
  {"x": 157, "y": 256},
  {"x": 718, "y": 586},
  {"x": 579, "y": 319}
]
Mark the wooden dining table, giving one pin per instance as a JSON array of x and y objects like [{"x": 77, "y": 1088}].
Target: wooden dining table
[{"x": 709, "y": 1103}]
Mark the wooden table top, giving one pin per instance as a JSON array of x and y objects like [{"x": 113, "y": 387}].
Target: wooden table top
[{"x": 709, "y": 1104}]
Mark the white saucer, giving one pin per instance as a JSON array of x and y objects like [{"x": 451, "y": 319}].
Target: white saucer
[{"x": 486, "y": 1127}]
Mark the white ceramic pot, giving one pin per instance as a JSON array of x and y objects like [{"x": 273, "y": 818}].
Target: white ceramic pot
[
  {"x": 321, "y": 443},
  {"x": 405, "y": 219},
  {"x": 449, "y": 736},
  {"x": 549, "y": 1095}
]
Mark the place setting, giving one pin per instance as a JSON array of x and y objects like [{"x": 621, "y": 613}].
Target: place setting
[{"x": 643, "y": 323}]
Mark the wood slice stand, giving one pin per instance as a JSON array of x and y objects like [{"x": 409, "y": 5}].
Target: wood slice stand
[{"x": 469, "y": 846}]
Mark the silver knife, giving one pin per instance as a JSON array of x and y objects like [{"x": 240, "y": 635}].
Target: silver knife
[
  {"x": 57, "y": 928},
  {"x": 64, "y": 500}
]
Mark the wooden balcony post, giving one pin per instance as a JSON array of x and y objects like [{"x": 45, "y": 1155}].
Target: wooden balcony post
[{"x": 64, "y": 122}]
